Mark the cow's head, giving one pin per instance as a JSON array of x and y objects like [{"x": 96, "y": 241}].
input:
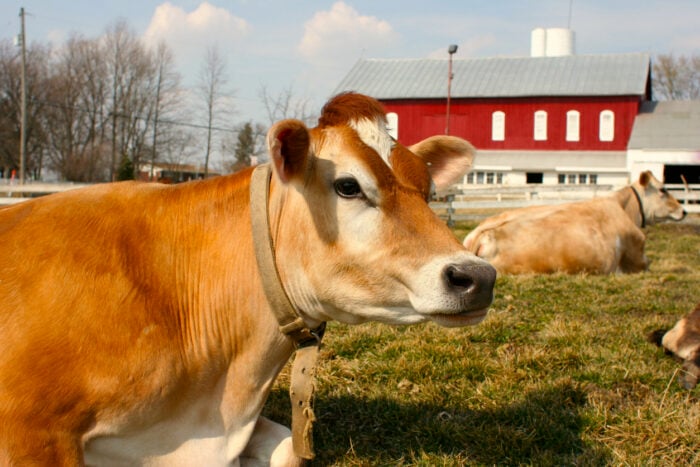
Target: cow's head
[
  {"x": 354, "y": 235},
  {"x": 658, "y": 204}
]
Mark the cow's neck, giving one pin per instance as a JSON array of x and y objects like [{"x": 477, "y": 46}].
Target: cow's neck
[
  {"x": 223, "y": 319},
  {"x": 290, "y": 321},
  {"x": 631, "y": 201}
]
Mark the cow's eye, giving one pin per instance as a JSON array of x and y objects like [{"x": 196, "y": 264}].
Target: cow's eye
[{"x": 347, "y": 188}]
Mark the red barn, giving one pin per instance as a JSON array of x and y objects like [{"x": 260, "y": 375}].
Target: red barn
[{"x": 546, "y": 119}]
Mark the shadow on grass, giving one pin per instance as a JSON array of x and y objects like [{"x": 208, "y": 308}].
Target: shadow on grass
[{"x": 542, "y": 428}]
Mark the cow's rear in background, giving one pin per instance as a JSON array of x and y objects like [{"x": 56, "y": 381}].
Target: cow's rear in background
[
  {"x": 599, "y": 236},
  {"x": 134, "y": 329}
]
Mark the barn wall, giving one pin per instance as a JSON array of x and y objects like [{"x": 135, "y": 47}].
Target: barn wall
[{"x": 471, "y": 119}]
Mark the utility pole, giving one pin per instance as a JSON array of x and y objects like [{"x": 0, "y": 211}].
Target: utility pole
[
  {"x": 451, "y": 51},
  {"x": 23, "y": 123}
]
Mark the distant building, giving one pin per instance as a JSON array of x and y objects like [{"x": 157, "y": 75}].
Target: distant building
[
  {"x": 666, "y": 139},
  {"x": 551, "y": 120},
  {"x": 172, "y": 173}
]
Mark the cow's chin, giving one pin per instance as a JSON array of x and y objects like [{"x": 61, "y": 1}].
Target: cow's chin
[{"x": 469, "y": 318}]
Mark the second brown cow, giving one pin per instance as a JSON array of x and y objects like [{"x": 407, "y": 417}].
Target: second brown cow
[{"x": 599, "y": 236}]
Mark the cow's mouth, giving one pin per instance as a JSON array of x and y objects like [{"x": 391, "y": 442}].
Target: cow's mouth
[{"x": 466, "y": 318}]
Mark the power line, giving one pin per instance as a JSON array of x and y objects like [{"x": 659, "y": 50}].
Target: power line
[{"x": 136, "y": 117}]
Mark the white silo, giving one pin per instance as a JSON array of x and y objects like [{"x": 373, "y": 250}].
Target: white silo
[
  {"x": 538, "y": 40},
  {"x": 559, "y": 42},
  {"x": 551, "y": 42}
]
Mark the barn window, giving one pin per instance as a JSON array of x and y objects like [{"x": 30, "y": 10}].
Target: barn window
[
  {"x": 498, "y": 126},
  {"x": 392, "y": 125},
  {"x": 607, "y": 125},
  {"x": 480, "y": 178},
  {"x": 540, "y": 125},
  {"x": 573, "y": 119},
  {"x": 581, "y": 179}
]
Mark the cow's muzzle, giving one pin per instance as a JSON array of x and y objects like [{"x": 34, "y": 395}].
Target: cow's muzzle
[{"x": 472, "y": 282}]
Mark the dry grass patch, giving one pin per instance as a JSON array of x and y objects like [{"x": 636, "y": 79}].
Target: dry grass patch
[{"x": 559, "y": 373}]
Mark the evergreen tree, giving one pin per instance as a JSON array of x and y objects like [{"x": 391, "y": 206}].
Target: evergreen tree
[
  {"x": 245, "y": 146},
  {"x": 126, "y": 169}
]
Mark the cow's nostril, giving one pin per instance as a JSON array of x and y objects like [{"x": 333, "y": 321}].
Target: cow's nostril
[{"x": 458, "y": 277}]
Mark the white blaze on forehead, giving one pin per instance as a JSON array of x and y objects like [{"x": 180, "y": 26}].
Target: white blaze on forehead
[{"x": 374, "y": 134}]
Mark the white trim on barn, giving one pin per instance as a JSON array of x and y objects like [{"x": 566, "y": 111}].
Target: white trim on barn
[{"x": 549, "y": 168}]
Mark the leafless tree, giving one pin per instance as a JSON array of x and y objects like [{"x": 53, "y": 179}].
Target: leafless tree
[
  {"x": 177, "y": 148},
  {"x": 130, "y": 69},
  {"x": 103, "y": 112},
  {"x": 676, "y": 77},
  {"x": 285, "y": 105},
  {"x": 138, "y": 108},
  {"x": 76, "y": 111},
  {"x": 10, "y": 107},
  {"x": 166, "y": 97},
  {"x": 94, "y": 103},
  {"x": 278, "y": 107},
  {"x": 102, "y": 108},
  {"x": 211, "y": 89}
]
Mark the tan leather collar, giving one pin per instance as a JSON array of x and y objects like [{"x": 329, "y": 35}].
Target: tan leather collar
[{"x": 307, "y": 341}]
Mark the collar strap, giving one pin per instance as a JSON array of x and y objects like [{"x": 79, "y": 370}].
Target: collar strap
[
  {"x": 641, "y": 207},
  {"x": 307, "y": 341},
  {"x": 290, "y": 323}
]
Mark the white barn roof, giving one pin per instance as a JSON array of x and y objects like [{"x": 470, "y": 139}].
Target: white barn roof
[
  {"x": 574, "y": 75},
  {"x": 667, "y": 125}
]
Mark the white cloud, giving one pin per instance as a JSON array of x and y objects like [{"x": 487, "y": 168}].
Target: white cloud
[
  {"x": 342, "y": 32},
  {"x": 189, "y": 34},
  {"x": 334, "y": 40}
]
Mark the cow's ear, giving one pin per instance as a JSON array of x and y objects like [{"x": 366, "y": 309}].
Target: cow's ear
[
  {"x": 644, "y": 178},
  {"x": 448, "y": 158},
  {"x": 288, "y": 144}
]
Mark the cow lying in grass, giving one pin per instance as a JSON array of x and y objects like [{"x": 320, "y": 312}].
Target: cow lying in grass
[
  {"x": 683, "y": 342},
  {"x": 135, "y": 329},
  {"x": 597, "y": 236}
]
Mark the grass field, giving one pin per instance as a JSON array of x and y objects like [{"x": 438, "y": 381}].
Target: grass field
[{"x": 559, "y": 373}]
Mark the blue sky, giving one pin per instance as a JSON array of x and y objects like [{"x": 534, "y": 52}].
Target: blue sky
[{"x": 309, "y": 46}]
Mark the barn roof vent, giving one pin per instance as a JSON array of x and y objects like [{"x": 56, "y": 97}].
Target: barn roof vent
[{"x": 551, "y": 42}]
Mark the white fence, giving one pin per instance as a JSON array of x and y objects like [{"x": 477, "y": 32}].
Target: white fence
[
  {"x": 461, "y": 203},
  {"x": 12, "y": 193},
  {"x": 476, "y": 202},
  {"x": 688, "y": 195}
]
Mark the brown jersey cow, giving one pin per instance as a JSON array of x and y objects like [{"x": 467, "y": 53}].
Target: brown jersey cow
[
  {"x": 597, "y": 236},
  {"x": 134, "y": 329},
  {"x": 683, "y": 342}
]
